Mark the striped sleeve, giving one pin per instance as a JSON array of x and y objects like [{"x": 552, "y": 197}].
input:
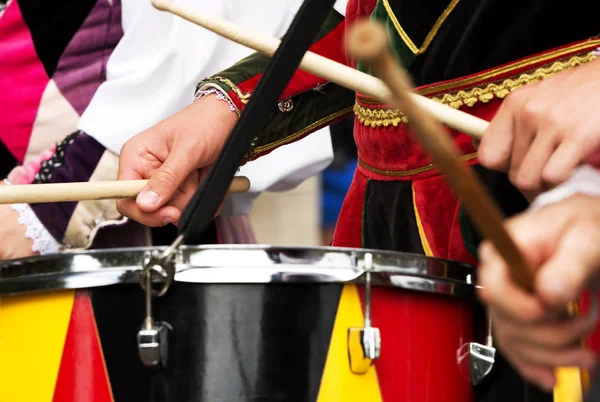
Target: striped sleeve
[{"x": 80, "y": 158}]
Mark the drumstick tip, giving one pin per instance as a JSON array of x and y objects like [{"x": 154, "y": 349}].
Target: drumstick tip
[
  {"x": 367, "y": 40},
  {"x": 161, "y": 4}
]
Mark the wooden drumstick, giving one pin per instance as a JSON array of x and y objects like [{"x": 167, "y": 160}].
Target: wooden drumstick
[
  {"x": 326, "y": 68},
  {"x": 369, "y": 42},
  {"x": 86, "y": 191}
]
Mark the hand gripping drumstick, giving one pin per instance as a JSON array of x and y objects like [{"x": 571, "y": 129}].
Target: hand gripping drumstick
[
  {"x": 98, "y": 190},
  {"x": 369, "y": 42},
  {"x": 326, "y": 68}
]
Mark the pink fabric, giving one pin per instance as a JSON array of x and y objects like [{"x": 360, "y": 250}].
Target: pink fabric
[
  {"x": 25, "y": 174},
  {"x": 22, "y": 79},
  {"x": 82, "y": 65}
]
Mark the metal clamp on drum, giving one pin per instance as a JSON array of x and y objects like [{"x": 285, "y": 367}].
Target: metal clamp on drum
[
  {"x": 482, "y": 356},
  {"x": 476, "y": 360},
  {"x": 364, "y": 344},
  {"x": 152, "y": 338}
]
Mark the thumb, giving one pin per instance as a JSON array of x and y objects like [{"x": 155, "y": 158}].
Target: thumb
[
  {"x": 163, "y": 184},
  {"x": 569, "y": 271}
]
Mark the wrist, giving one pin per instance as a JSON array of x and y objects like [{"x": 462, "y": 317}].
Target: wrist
[
  {"x": 219, "y": 94},
  {"x": 585, "y": 180}
]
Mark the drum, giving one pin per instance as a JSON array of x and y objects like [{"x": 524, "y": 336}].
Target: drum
[{"x": 238, "y": 323}]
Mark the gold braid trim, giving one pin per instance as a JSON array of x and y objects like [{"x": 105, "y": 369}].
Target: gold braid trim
[
  {"x": 244, "y": 97},
  {"x": 379, "y": 117},
  {"x": 502, "y": 89},
  {"x": 374, "y": 117}
]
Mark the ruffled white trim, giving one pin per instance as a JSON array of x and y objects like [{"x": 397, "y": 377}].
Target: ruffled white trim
[
  {"x": 43, "y": 242},
  {"x": 584, "y": 180},
  {"x": 220, "y": 95}
]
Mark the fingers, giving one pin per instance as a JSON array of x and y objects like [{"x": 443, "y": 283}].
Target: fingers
[
  {"x": 497, "y": 142},
  {"x": 552, "y": 335},
  {"x": 559, "y": 243},
  {"x": 161, "y": 217},
  {"x": 525, "y": 127},
  {"x": 499, "y": 291},
  {"x": 574, "y": 264},
  {"x": 528, "y": 177},
  {"x": 565, "y": 159},
  {"x": 164, "y": 183},
  {"x": 541, "y": 133},
  {"x": 542, "y": 376},
  {"x": 537, "y": 356}
]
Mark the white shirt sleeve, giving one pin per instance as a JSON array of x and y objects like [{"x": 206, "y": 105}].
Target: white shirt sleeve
[
  {"x": 340, "y": 6},
  {"x": 282, "y": 170},
  {"x": 584, "y": 180},
  {"x": 154, "y": 69}
]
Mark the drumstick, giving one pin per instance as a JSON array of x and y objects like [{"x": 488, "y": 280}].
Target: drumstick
[
  {"x": 369, "y": 42},
  {"x": 86, "y": 191},
  {"x": 326, "y": 68}
]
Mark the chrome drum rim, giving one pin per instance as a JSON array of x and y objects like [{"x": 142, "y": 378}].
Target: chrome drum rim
[{"x": 230, "y": 264}]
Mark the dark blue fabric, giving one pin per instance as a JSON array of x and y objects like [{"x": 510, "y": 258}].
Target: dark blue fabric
[{"x": 335, "y": 184}]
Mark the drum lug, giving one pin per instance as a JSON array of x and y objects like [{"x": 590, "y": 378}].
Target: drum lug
[
  {"x": 153, "y": 344},
  {"x": 152, "y": 339},
  {"x": 364, "y": 344},
  {"x": 482, "y": 357}
]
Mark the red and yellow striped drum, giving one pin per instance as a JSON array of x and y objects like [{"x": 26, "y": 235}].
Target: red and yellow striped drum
[{"x": 241, "y": 323}]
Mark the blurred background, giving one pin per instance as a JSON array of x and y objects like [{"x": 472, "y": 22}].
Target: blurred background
[{"x": 306, "y": 215}]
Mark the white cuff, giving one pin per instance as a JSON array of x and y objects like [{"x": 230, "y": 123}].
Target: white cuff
[
  {"x": 584, "y": 180},
  {"x": 340, "y": 7},
  {"x": 221, "y": 95},
  {"x": 43, "y": 242}
]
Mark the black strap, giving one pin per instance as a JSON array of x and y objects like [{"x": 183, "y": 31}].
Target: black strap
[{"x": 298, "y": 39}]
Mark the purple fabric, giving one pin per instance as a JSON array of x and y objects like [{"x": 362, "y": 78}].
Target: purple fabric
[
  {"x": 129, "y": 234},
  {"x": 81, "y": 159},
  {"x": 82, "y": 67}
]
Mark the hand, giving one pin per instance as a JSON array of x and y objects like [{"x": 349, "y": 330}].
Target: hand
[
  {"x": 12, "y": 235},
  {"x": 174, "y": 155},
  {"x": 560, "y": 243},
  {"x": 545, "y": 130}
]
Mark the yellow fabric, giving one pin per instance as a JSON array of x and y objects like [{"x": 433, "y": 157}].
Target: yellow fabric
[
  {"x": 422, "y": 235},
  {"x": 338, "y": 383},
  {"x": 32, "y": 335},
  {"x": 569, "y": 386}
]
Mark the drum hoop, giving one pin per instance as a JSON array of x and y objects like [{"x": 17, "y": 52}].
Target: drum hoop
[{"x": 220, "y": 264}]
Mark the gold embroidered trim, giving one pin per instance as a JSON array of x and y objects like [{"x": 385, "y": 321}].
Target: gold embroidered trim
[
  {"x": 422, "y": 235},
  {"x": 374, "y": 117},
  {"x": 244, "y": 97},
  {"x": 502, "y": 89},
  {"x": 434, "y": 30},
  {"x": 574, "y": 50},
  {"x": 310, "y": 127},
  {"x": 379, "y": 117},
  {"x": 411, "y": 172}
]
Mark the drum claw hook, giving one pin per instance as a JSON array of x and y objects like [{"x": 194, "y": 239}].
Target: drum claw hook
[
  {"x": 162, "y": 265},
  {"x": 481, "y": 356},
  {"x": 152, "y": 337},
  {"x": 364, "y": 344}
]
